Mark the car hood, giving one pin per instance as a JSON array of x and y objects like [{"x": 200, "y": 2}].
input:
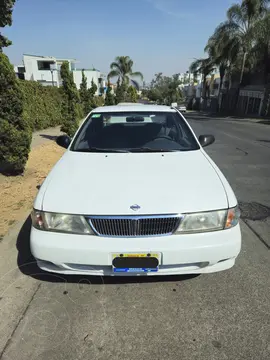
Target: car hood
[{"x": 109, "y": 184}]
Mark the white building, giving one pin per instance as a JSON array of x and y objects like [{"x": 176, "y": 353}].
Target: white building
[
  {"x": 98, "y": 78},
  {"x": 46, "y": 71},
  {"x": 188, "y": 78},
  {"x": 185, "y": 78}
]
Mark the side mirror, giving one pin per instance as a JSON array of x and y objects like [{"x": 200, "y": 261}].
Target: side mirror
[
  {"x": 63, "y": 140},
  {"x": 206, "y": 140}
]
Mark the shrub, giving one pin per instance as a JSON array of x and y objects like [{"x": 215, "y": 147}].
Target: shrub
[
  {"x": 71, "y": 107},
  {"x": 15, "y": 132},
  {"x": 41, "y": 105},
  {"x": 98, "y": 101},
  {"x": 121, "y": 92},
  {"x": 132, "y": 95},
  {"x": 110, "y": 98},
  {"x": 85, "y": 95}
]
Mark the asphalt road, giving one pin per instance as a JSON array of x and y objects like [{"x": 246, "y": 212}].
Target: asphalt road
[
  {"x": 242, "y": 151},
  {"x": 211, "y": 317}
]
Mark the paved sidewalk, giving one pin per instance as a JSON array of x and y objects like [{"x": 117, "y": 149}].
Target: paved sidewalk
[
  {"x": 42, "y": 136},
  {"x": 50, "y": 134},
  {"x": 258, "y": 120}
]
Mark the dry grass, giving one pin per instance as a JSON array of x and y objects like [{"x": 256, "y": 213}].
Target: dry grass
[{"x": 17, "y": 193}]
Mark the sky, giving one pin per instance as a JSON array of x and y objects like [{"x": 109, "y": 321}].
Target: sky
[{"x": 159, "y": 35}]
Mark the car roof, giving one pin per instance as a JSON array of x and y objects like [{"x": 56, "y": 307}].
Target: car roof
[
  {"x": 128, "y": 104},
  {"x": 134, "y": 108}
]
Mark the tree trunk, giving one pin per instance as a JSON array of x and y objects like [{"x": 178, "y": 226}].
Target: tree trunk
[
  {"x": 204, "y": 93},
  {"x": 240, "y": 82},
  {"x": 243, "y": 68},
  {"x": 266, "y": 65},
  {"x": 219, "y": 90},
  {"x": 204, "y": 87}
]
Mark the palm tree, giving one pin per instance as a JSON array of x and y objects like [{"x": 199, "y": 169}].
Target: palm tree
[
  {"x": 260, "y": 52},
  {"x": 122, "y": 68},
  {"x": 238, "y": 29},
  {"x": 204, "y": 67},
  {"x": 222, "y": 51}
]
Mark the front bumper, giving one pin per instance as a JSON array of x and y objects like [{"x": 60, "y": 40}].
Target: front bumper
[{"x": 92, "y": 255}]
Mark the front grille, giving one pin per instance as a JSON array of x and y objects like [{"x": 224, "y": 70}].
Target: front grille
[{"x": 134, "y": 225}]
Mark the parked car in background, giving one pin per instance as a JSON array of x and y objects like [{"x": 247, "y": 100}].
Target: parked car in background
[
  {"x": 135, "y": 193},
  {"x": 182, "y": 108}
]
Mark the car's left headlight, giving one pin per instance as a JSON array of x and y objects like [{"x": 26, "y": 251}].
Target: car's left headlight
[
  {"x": 65, "y": 223},
  {"x": 209, "y": 221}
]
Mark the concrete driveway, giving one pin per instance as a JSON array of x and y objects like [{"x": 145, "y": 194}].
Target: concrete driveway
[{"x": 217, "y": 316}]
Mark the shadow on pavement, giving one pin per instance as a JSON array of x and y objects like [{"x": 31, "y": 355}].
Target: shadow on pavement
[
  {"x": 205, "y": 116},
  {"x": 266, "y": 141},
  {"x": 265, "y": 122},
  {"x": 49, "y": 137},
  {"x": 28, "y": 266},
  {"x": 197, "y": 117}
]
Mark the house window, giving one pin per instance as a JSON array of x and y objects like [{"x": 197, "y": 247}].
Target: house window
[
  {"x": 45, "y": 65},
  {"x": 21, "y": 69},
  {"x": 21, "y": 76}
]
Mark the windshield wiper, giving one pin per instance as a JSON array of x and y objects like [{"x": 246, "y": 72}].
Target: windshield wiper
[
  {"x": 146, "y": 149},
  {"x": 95, "y": 149}
]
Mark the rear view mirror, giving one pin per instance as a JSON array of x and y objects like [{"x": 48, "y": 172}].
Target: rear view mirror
[
  {"x": 135, "y": 119},
  {"x": 63, "y": 141},
  {"x": 206, "y": 140}
]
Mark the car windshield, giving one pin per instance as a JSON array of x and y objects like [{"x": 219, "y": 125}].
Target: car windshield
[{"x": 134, "y": 132}]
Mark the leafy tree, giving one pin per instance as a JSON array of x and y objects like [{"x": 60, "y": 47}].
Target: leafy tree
[
  {"x": 132, "y": 94},
  {"x": 174, "y": 92},
  {"x": 165, "y": 90},
  {"x": 91, "y": 94},
  {"x": 110, "y": 98},
  {"x": 155, "y": 95},
  {"x": 121, "y": 92},
  {"x": 98, "y": 101},
  {"x": 93, "y": 89},
  {"x": 122, "y": 69},
  {"x": 84, "y": 95},
  {"x": 70, "y": 109},
  {"x": 6, "y": 8},
  {"x": 15, "y": 132}
]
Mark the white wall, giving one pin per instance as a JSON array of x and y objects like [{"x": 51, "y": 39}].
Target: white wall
[
  {"x": 29, "y": 67},
  {"x": 44, "y": 76},
  {"x": 33, "y": 73},
  {"x": 90, "y": 74}
]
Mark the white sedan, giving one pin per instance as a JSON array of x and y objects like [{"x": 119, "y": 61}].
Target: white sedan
[
  {"x": 133, "y": 197},
  {"x": 182, "y": 108}
]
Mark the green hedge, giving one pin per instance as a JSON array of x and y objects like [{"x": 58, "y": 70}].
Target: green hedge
[
  {"x": 41, "y": 105},
  {"x": 15, "y": 132}
]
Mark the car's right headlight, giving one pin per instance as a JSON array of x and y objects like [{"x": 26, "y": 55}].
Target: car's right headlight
[
  {"x": 209, "y": 221},
  {"x": 65, "y": 223}
]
